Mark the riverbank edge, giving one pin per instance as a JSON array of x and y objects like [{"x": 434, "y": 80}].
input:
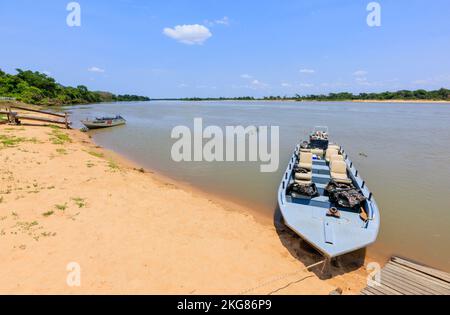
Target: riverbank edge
[
  {"x": 349, "y": 278},
  {"x": 307, "y": 101}
]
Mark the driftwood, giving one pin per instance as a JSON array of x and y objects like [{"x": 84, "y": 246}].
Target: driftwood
[{"x": 43, "y": 119}]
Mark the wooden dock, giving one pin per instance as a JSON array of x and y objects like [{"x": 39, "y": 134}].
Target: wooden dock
[{"x": 403, "y": 277}]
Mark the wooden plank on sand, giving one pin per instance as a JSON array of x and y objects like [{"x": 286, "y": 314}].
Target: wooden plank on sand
[
  {"x": 419, "y": 280},
  {"x": 444, "y": 276},
  {"x": 408, "y": 283},
  {"x": 400, "y": 285},
  {"x": 400, "y": 276},
  {"x": 39, "y": 111},
  {"x": 43, "y": 119}
]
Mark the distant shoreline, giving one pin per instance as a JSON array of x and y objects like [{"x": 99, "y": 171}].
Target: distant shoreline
[
  {"x": 400, "y": 101},
  {"x": 311, "y": 101}
]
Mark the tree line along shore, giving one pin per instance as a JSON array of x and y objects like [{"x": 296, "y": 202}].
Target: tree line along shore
[
  {"x": 441, "y": 95},
  {"x": 33, "y": 87}
]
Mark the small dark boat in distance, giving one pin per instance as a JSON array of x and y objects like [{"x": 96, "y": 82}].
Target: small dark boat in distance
[{"x": 104, "y": 122}]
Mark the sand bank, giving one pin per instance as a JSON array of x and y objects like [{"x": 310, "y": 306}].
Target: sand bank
[
  {"x": 402, "y": 101},
  {"x": 63, "y": 200}
]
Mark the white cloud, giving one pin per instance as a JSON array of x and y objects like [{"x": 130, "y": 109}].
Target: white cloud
[
  {"x": 441, "y": 80},
  {"x": 258, "y": 84},
  {"x": 225, "y": 21},
  {"x": 308, "y": 71},
  {"x": 195, "y": 34},
  {"x": 284, "y": 84},
  {"x": 252, "y": 83},
  {"x": 360, "y": 73},
  {"x": 183, "y": 85},
  {"x": 306, "y": 85},
  {"x": 96, "y": 69}
]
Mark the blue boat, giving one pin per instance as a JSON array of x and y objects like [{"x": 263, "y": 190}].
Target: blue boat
[
  {"x": 324, "y": 200},
  {"x": 104, "y": 122}
]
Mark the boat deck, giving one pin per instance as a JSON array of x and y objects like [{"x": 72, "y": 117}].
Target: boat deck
[
  {"x": 308, "y": 218},
  {"x": 321, "y": 177},
  {"x": 404, "y": 277}
]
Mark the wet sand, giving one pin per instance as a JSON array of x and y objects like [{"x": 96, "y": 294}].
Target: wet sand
[{"x": 63, "y": 199}]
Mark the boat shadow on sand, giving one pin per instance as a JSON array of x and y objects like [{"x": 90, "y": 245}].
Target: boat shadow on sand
[{"x": 307, "y": 255}]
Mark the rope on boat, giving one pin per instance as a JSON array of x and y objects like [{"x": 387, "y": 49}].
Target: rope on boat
[{"x": 283, "y": 277}]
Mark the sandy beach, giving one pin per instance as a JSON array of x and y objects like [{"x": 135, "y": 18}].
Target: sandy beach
[
  {"x": 402, "y": 101},
  {"x": 63, "y": 199}
]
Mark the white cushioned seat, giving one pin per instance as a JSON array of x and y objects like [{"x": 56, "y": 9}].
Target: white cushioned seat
[
  {"x": 336, "y": 157},
  {"x": 329, "y": 153},
  {"x": 305, "y": 160},
  {"x": 303, "y": 176},
  {"x": 338, "y": 172},
  {"x": 334, "y": 146}
]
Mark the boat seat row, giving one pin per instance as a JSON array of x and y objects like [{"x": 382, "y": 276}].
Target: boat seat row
[
  {"x": 306, "y": 160},
  {"x": 338, "y": 170},
  {"x": 330, "y": 152},
  {"x": 305, "y": 163},
  {"x": 315, "y": 151},
  {"x": 338, "y": 167}
]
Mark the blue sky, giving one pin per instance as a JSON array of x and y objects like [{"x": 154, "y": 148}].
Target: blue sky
[{"x": 230, "y": 48}]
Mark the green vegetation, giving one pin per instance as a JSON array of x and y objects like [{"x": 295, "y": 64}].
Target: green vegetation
[
  {"x": 59, "y": 137},
  {"x": 96, "y": 154},
  {"x": 80, "y": 202},
  {"x": 113, "y": 166},
  {"x": 26, "y": 226},
  {"x": 38, "y": 88},
  {"x": 8, "y": 141},
  {"x": 417, "y": 95},
  {"x": 61, "y": 207},
  {"x": 48, "y": 213}
]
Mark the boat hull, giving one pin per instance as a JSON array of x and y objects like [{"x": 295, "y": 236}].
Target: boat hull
[
  {"x": 332, "y": 237},
  {"x": 102, "y": 124}
]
